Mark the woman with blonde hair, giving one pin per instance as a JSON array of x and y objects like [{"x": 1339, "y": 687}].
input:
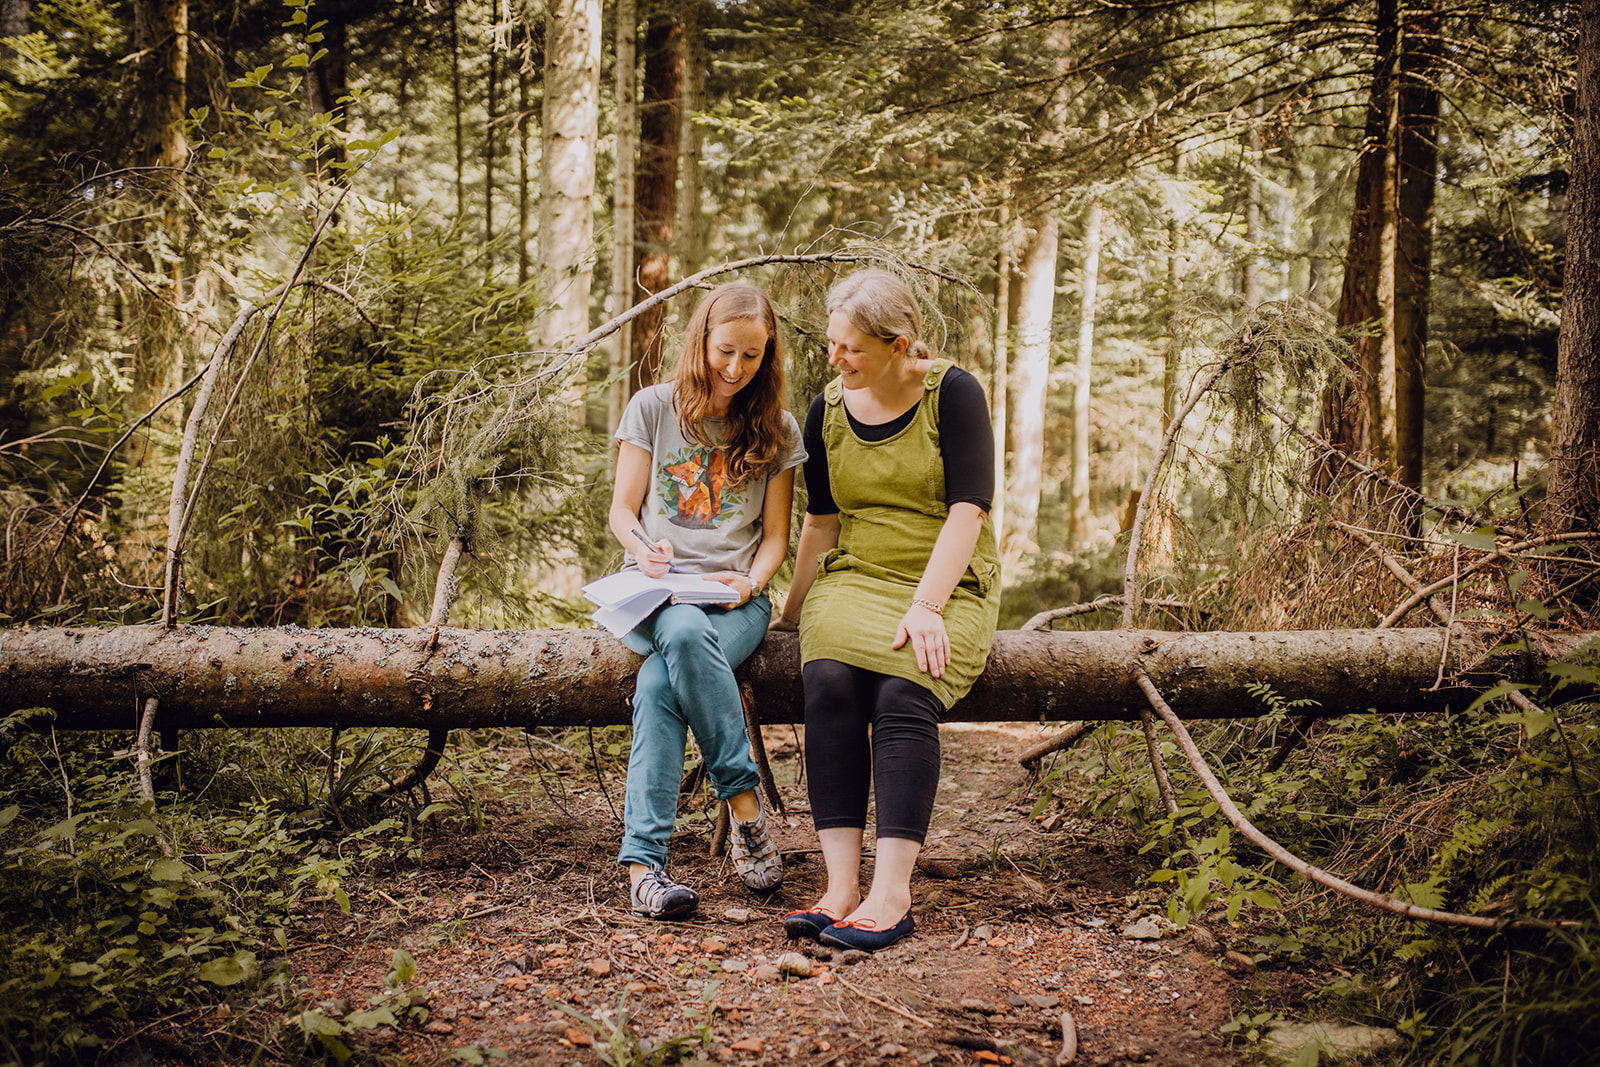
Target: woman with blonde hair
[
  {"x": 705, "y": 479},
  {"x": 896, "y": 595}
]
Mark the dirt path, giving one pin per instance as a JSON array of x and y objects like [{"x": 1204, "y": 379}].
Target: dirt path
[{"x": 1015, "y": 925}]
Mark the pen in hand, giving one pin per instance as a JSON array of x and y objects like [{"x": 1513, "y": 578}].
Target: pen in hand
[{"x": 650, "y": 546}]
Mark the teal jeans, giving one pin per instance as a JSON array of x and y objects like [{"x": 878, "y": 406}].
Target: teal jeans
[{"x": 686, "y": 684}]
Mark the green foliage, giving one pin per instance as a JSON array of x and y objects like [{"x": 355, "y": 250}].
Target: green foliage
[
  {"x": 103, "y": 927},
  {"x": 1489, "y": 812},
  {"x": 106, "y": 929},
  {"x": 399, "y": 1004}
]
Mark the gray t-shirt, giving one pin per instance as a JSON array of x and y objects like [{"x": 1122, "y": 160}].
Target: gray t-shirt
[{"x": 713, "y": 526}]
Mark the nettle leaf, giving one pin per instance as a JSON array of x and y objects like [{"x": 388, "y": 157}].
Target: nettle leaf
[
  {"x": 1570, "y": 673},
  {"x": 1534, "y": 722},
  {"x": 402, "y": 969},
  {"x": 1491, "y": 695},
  {"x": 168, "y": 870},
  {"x": 1481, "y": 539},
  {"x": 365, "y": 1020},
  {"x": 1534, "y": 608},
  {"x": 228, "y": 970}
]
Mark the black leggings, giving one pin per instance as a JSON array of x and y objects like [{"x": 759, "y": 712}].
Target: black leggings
[{"x": 901, "y": 758}]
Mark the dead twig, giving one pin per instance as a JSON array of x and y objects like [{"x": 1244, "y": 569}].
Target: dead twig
[
  {"x": 1063, "y": 740},
  {"x": 864, "y": 995},
  {"x": 1449, "y": 511},
  {"x": 1426, "y": 591},
  {"x": 444, "y": 590},
  {"x": 1043, "y": 620},
  {"x": 1407, "y": 579}
]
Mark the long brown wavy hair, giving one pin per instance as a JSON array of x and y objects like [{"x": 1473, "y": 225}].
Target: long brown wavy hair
[{"x": 755, "y": 431}]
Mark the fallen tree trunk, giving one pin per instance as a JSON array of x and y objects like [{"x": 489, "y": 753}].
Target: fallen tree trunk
[{"x": 427, "y": 678}]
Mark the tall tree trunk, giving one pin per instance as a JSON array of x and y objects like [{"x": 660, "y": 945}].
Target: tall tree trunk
[
  {"x": 491, "y": 93},
  {"x": 455, "y": 112},
  {"x": 161, "y": 35},
  {"x": 657, "y": 195},
  {"x": 1175, "y": 263},
  {"x": 691, "y": 228},
  {"x": 1573, "y": 501},
  {"x": 1158, "y": 530},
  {"x": 1089, "y": 284},
  {"x": 524, "y": 182},
  {"x": 1250, "y": 276},
  {"x": 1314, "y": 181},
  {"x": 622, "y": 213},
  {"x": 328, "y": 83},
  {"x": 999, "y": 382},
  {"x": 567, "y": 167},
  {"x": 1348, "y": 398},
  {"x": 1030, "y": 380},
  {"x": 1408, "y": 238}
]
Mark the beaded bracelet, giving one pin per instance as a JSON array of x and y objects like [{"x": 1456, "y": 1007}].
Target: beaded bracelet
[{"x": 937, "y": 609}]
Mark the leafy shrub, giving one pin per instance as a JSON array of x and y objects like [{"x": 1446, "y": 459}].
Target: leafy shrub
[{"x": 105, "y": 927}]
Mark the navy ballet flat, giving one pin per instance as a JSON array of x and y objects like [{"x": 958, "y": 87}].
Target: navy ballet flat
[
  {"x": 806, "y": 925},
  {"x": 866, "y": 937}
]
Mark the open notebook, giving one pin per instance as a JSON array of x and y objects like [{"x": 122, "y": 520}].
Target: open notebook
[{"x": 627, "y": 597}]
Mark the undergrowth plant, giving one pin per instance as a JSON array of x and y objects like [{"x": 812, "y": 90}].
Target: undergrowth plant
[
  {"x": 618, "y": 1044},
  {"x": 1493, "y": 810},
  {"x": 117, "y": 914}
]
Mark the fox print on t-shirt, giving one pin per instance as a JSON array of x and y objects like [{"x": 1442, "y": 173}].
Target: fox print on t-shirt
[{"x": 693, "y": 487}]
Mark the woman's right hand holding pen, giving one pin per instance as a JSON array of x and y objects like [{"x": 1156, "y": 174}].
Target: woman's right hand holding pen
[{"x": 655, "y": 557}]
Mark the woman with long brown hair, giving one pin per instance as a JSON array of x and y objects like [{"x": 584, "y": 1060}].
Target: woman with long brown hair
[{"x": 705, "y": 477}]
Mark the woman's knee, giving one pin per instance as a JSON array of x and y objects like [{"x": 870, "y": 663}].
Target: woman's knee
[
  {"x": 652, "y": 689},
  {"x": 683, "y": 626},
  {"x": 830, "y": 686}
]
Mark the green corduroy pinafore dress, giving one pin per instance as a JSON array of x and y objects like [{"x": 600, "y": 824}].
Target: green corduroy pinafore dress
[{"x": 890, "y": 496}]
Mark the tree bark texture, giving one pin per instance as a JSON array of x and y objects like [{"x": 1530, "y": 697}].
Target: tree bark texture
[
  {"x": 328, "y": 82},
  {"x": 656, "y": 194},
  {"x": 161, "y": 31},
  {"x": 1409, "y": 237},
  {"x": 691, "y": 228},
  {"x": 491, "y": 99},
  {"x": 161, "y": 36},
  {"x": 1574, "y": 490},
  {"x": 571, "y": 121},
  {"x": 1089, "y": 284},
  {"x": 432, "y": 678},
  {"x": 455, "y": 112},
  {"x": 622, "y": 206},
  {"x": 1346, "y": 403},
  {"x": 1030, "y": 380}
]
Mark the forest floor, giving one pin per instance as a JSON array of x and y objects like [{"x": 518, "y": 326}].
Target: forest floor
[{"x": 526, "y": 947}]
